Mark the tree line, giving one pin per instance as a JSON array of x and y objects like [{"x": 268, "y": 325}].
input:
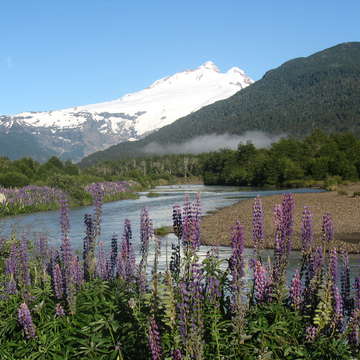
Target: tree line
[{"x": 288, "y": 162}]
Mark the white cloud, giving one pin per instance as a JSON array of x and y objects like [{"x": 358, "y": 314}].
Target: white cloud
[{"x": 213, "y": 142}]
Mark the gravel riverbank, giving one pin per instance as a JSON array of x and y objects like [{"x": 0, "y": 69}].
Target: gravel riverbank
[{"x": 345, "y": 211}]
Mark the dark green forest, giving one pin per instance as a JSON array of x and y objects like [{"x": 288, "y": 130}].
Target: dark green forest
[
  {"x": 64, "y": 175},
  {"x": 318, "y": 159},
  {"x": 287, "y": 163}
]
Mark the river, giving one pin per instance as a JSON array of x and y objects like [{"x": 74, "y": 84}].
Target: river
[{"x": 160, "y": 210}]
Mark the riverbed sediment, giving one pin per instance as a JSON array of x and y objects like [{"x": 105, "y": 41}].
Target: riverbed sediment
[{"x": 343, "y": 206}]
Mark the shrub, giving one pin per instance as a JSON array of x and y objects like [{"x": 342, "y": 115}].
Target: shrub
[{"x": 13, "y": 179}]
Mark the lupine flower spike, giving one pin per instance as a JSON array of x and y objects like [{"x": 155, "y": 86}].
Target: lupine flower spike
[
  {"x": 26, "y": 322},
  {"x": 296, "y": 291},
  {"x": 327, "y": 229},
  {"x": 154, "y": 341},
  {"x": 258, "y": 225}
]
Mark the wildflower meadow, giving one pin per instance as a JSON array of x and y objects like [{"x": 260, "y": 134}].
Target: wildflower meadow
[
  {"x": 108, "y": 302},
  {"x": 32, "y": 198}
]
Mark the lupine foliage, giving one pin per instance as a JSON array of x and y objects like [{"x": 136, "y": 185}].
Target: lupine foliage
[{"x": 107, "y": 305}]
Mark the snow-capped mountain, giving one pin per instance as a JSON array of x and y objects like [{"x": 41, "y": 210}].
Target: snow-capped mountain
[{"x": 78, "y": 131}]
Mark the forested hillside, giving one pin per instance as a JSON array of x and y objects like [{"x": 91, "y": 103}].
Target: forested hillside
[
  {"x": 288, "y": 163},
  {"x": 320, "y": 91}
]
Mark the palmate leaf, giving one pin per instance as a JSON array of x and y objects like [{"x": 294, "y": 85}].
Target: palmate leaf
[
  {"x": 168, "y": 301},
  {"x": 323, "y": 311}
]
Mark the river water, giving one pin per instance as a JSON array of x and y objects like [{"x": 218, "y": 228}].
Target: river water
[{"x": 160, "y": 210}]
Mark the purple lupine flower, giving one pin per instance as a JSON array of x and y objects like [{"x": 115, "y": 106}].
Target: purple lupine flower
[
  {"x": 101, "y": 264},
  {"x": 191, "y": 219},
  {"x": 278, "y": 217},
  {"x": 307, "y": 238},
  {"x": 98, "y": 197},
  {"x": 11, "y": 288},
  {"x": 316, "y": 262},
  {"x": 296, "y": 291},
  {"x": 66, "y": 251},
  {"x": 176, "y": 354},
  {"x": 283, "y": 220},
  {"x": 11, "y": 261},
  {"x": 127, "y": 234},
  {"x": 29, "y": 196},
  {"x": 154, "y": 340},
  {"x": 121, "y": 261},
  {"x": 354, "y": 336},
  {"x": 338, "y": 305},
  {"x": 127, "y": 249},
  {"x": 175, "y": 260},
  {"x": 26, "y": 322},
  {"x": 196, "y": 222},
  {"x": 333, "y": 266},
  {"x": 183, "y": 307},
  {"x": 196, "y": 295},
  {"x": 89, "y": 247},
  {"x": 178, "y": 231},
  {"x": 258, "y": 224},
  {"x": 280, "y": 249},
  {"x": 42, "y": 245},
  {"x": 58, "y": 283},
  {"x": 191, "y": 311},
  {"x": 354, "y": 328},
  {"x": 288, "y": 205},
  {"x": 311, "y": 332},
  {"x": 42, "y": 252},
  {"x": 187, "y": 222},
  {"x": 177, "y": 221},
  {"x": 357, "y": 294},
  {"x": 146, "y": 233},
  {"x": 74, "y": 282},
  {"x": 307, "y": 235},
  {"x": 78, "y": 272},
  {"x": 345, "y": 283},
  {"x": 236, "y": 261},
  {"x": 24, "y": 262},
  {"x": 59, "y": 310},
  {"x": 113, "y": 254},
  {"x": 313, "y": 276},
  {"x": 64, "y": 216},
  {"x": 126, "y": 259},
  {"x": 260, "y": 282},
  {"x": 327, "y": 228},
  {"x": 109, "y": 188}
]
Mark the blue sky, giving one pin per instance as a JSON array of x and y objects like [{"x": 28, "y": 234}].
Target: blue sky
[{"x": 56, "y": 54}]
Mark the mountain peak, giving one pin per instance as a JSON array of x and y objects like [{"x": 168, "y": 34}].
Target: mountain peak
[
  {"x": 236, "y": 70},
  {"x": 89, "y": 128},
  {"x": 209, "y": 65}
]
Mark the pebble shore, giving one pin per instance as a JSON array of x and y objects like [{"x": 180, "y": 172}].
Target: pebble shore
[{"x": 344, "y": 209}]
